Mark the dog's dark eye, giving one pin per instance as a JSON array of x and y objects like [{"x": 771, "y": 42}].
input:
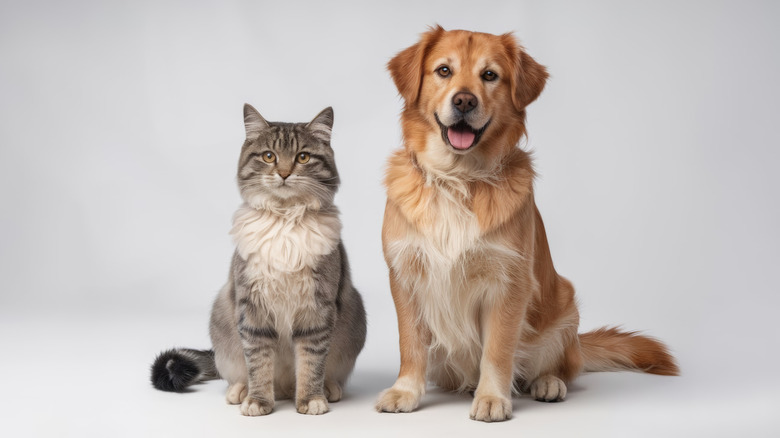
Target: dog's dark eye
[
  {"x": 489, "y": 76},
  {"x": 443, "y": 71}
]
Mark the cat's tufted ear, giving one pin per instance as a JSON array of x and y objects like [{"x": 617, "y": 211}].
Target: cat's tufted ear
[
  {"x": 322, "y": 125},
  {"x": 253, "y": 121}
]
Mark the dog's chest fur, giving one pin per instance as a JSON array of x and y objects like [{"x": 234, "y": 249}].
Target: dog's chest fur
[
  {"x": 281, "y": 250},
  {"x": 452, "y": 269}
]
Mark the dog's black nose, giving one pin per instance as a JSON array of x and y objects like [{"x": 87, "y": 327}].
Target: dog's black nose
[{"x": 464, "y": 101}]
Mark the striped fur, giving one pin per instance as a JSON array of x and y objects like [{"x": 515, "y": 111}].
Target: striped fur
[{"x": 289, "y": 323}]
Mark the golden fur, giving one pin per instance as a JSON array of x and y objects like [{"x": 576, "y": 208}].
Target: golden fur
[{"x": 480, "y": 306}]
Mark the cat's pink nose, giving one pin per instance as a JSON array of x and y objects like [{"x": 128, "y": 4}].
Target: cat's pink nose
[{"x": 284, "y": 172}]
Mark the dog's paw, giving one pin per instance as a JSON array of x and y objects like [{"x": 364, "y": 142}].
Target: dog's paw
[
  {"x": 254, "y": 407},
  {"x": 397, "y": 400},
  {"x": 548, "y": 388},
  {"x": 315, "y": 406},
  {"x": 236, "y": 393},
  {"x": 332, "y": 391},
  {"x": 490, "y": 408}
]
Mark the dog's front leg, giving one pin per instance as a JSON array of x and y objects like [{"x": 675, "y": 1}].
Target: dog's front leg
[
  {"x": 501, "y": 332},
  {"x": 414, "y": 339}
]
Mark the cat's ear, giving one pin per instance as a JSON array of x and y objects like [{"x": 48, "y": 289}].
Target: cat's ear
[
  {"x": 253, "y": 121},
  {"x": 322, "y": 125}
]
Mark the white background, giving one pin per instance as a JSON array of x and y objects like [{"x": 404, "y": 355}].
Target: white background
[{"x": 656, "y": 143}]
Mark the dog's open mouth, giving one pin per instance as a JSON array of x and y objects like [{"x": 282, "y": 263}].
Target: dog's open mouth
[{"x": 460, "y": 136}]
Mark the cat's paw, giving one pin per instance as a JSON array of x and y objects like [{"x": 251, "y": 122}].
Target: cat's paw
[
  {"x": 236, "y": 393},
  {"x": 548, "y": 388},
  {"x": 332, "y": 391},
  {"x": 397, "y": 400},
  {"x": 490, "y": 408},
  {"x": 315, "y": 406},
  {"x": 254, "y": 407}
]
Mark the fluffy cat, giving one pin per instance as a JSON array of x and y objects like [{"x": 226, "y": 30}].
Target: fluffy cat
[{"x": 288, "y": 323}]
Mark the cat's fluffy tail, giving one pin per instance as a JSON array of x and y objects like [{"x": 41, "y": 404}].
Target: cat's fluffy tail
[{"x": 177, "y": 368}]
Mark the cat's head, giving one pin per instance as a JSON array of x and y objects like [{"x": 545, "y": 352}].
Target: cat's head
[{"x": 286, "y": 164}]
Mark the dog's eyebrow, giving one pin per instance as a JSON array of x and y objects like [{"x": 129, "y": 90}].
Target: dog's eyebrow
[
  {"x": 440, "y": 61},
  {"x": 489, "y": 62}
]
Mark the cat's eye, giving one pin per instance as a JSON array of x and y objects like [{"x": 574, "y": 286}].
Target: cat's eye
[
  {"x": 489, "y": 76},
  {"x": 303, "y": 157},
  {"x": 444, "y": 71},
  {"x": 269, "y": 157}
]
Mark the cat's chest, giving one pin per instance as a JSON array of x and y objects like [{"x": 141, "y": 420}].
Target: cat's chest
[{"x": 286, "y": 242}]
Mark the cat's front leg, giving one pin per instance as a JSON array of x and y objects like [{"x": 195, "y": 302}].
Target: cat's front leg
[
  {"x": 311, "y": 350},
  {"x": 259, "y": 351}
]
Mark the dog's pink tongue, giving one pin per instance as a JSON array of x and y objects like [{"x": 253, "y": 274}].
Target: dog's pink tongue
[{"x": 460, "y": 138}]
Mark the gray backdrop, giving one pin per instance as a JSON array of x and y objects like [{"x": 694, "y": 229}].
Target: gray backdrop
[{"x": 656, "y": 143}]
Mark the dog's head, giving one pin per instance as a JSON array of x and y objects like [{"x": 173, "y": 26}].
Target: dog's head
[{"x": 465, "y": 92}]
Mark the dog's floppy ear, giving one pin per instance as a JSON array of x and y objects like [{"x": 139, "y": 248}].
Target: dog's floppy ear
[
  {"x": 406, "y": 68},
  {"x": 529, "y": 76}
]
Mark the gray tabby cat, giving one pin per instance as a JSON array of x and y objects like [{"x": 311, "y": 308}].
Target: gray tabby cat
[{"x": 288, "y": 323}]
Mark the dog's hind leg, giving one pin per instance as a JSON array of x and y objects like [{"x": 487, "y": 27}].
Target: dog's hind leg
[{"x": 549, "y": 362}]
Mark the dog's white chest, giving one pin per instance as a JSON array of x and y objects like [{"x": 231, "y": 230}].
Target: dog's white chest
[
  {"x": 453, "y": 231},
  {"x": 452, "y": 269}
]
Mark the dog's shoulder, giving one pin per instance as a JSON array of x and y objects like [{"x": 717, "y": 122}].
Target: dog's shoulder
[
  {"x": 406, "y": 186},
  {"x": 497, "y": 201}
]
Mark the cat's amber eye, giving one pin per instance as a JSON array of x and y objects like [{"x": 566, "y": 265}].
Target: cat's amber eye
[
  {"x": 269, "y": 157},
  {"x": 303, "y": 157}
]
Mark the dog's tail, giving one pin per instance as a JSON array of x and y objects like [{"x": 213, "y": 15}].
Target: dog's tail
[
  {"x": 609, "y": 349},
  {"x": 177, "y": 368}
]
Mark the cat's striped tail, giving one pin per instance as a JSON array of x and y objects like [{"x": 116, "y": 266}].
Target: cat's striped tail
[{"x": 177, "y": 368}]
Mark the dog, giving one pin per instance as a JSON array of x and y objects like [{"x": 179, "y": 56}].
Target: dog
[{"x": 480, "y": 306}]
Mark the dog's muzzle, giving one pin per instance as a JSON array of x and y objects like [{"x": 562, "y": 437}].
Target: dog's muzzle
[{"x": 460, "y": 136}]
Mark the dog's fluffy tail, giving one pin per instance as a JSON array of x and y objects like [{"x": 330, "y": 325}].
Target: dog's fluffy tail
[
  {"x": 609, "y": 349},
  {"x": 177, "y": 368}
]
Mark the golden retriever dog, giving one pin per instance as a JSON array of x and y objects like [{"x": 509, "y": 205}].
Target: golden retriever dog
[{"x": 480, "y": 306}]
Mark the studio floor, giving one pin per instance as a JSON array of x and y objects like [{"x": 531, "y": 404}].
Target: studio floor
[{"x": 73, "y": 373}]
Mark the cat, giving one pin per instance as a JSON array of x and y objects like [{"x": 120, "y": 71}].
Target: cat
[{"x": 288, "y": 323}]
